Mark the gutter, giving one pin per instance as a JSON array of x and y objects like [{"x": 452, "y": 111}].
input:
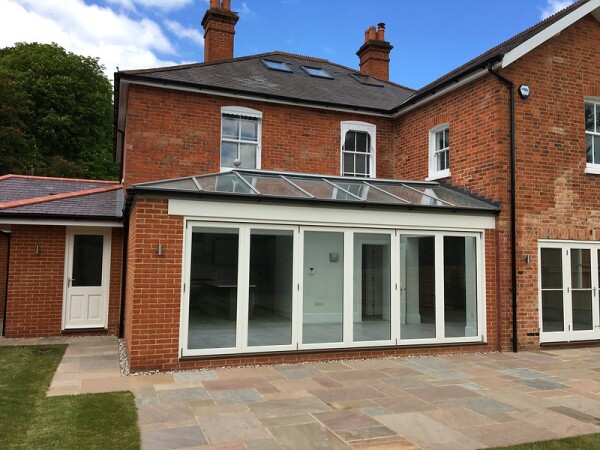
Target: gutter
[
  {"x": 3, "y": 331},
  {"x": 117, "y": 132},
  {"x": 126, "y": 210},
  {"x": 513, "y": 205}
]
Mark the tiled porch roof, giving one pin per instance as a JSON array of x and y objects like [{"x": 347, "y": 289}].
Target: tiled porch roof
[{"x": 22, "y": 195}]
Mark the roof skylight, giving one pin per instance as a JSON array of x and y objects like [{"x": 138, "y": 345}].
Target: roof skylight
[
  {"x": 276, "y": 65},
  {"x": 366, "y": 79},
  {"x": 317, "y": 72}
]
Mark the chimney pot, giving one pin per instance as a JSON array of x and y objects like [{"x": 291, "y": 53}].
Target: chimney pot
[
  {"x": 226, "y": 5},
  {"x": 214, "y": 4},
  {"x": 381, "y": 31},
  {"x": 372, "y": 33}
]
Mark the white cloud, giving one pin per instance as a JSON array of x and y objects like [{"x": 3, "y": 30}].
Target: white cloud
[
  {"x": 166, "y": 5},
  {"x": 554, "y": 6},
  {"x": 245, "y": 10},
  {"x": 88, "y": 30},
  {"x": 185, "y": 33}
]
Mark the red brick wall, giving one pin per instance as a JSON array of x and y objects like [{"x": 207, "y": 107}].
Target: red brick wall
[
  {"x": 555, "y": 198},
  {"x": 35, "y": 285},
  {"x": 116, "y": 281},
  {"x": 4, "y": 242},
  {"x": 153, "y": 286},
  {"x": 174, "y": 134}
]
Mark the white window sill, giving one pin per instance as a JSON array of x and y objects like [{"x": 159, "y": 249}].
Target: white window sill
[
  {"x": 593, "y": 169},
  {"x": 440, "y": 175}
]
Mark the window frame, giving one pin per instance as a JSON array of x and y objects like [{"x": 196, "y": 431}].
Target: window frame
[
  {"x": 241, "y": 111},
  {"x": 362, "y": 127},
  {"x": 592, "y": 167},
  {"x": 434, "y": 173}
]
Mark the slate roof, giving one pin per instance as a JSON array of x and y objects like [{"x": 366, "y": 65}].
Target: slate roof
[
  {"x": 60, "y": 198},
  {"x": 250, "y": 75}
]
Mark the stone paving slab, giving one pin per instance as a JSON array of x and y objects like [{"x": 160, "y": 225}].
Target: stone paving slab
[{"x": 439, "y": 402}]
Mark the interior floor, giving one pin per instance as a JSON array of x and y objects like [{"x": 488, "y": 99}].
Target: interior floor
[{"x": 268, "y": 329}]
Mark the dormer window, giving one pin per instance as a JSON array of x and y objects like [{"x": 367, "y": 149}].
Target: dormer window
[
  {"x": 358, "y": 149},
  {"x": 317, "y": 72},
  {"x": 439, "y": 152},
  {"x": 276, "y": 65},
  {"x": 240, "y": 138}
]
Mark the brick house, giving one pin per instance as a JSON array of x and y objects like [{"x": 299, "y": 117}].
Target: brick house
[{"x": 286, "y": 208}]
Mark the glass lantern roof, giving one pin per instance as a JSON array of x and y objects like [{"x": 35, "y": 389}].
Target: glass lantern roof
[{"x": 317, "y": 188}]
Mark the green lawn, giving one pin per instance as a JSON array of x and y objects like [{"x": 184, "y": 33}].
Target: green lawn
[
  {"x": 30, "y": 420},
  {"x": 586, "y": 442}
]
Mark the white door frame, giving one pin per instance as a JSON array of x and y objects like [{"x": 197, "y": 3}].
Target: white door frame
[
  {"x": 68, "y": 270},
  {"x": 568, "y": 335}
]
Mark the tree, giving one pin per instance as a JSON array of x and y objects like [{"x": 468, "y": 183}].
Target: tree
[{"x": 58, "y": 111}]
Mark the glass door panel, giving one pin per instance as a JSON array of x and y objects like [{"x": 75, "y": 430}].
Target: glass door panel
[
  {"x": 87, "y": 260},
  {"x": 581, "y": 289},
  {"x": 372, "y": 272},
  {"x": 270, "y": 291},
  {"x": 460, "y": 286},
  {"x": 552, "y": 289},
  {"x": 417, "y": 287},
  {"x": 323, "y": 292},
  {"x": 213, "y": 288}
]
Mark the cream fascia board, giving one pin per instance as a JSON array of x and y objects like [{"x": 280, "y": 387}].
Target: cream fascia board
[
  {"x": 554, "y": 29},
  {"x": 67, "y": 223},
  {"x": 241, "y": 212}
]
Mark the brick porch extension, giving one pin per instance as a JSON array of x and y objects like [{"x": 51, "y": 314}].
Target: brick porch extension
[{"x": 460, "y": 402}]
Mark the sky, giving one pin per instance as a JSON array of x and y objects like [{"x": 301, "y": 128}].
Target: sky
[{"x": 430, "y": 37}]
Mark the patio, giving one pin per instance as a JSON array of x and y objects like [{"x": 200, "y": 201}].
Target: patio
[{"x": 450, "y": 402}]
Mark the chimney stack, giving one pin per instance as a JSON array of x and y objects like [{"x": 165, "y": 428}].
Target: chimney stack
[
  {"x": 219, "y": 29},
  {"x": 375, "y": 53}
]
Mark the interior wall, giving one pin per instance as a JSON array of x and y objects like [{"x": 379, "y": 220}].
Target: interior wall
[{"x": 323, "y": 278}]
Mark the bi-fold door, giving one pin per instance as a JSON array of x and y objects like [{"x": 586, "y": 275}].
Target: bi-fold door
[
  {"x": 568, "y": 285},
  {"x": 251, "y": 288}
]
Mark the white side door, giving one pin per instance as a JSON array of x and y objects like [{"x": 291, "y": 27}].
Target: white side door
[{"x": 87, "y": 272}]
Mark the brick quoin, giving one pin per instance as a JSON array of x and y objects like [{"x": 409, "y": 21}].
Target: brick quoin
[
  {"x": 555, "y": 198},
  {"x": 35, "y": 284}
]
